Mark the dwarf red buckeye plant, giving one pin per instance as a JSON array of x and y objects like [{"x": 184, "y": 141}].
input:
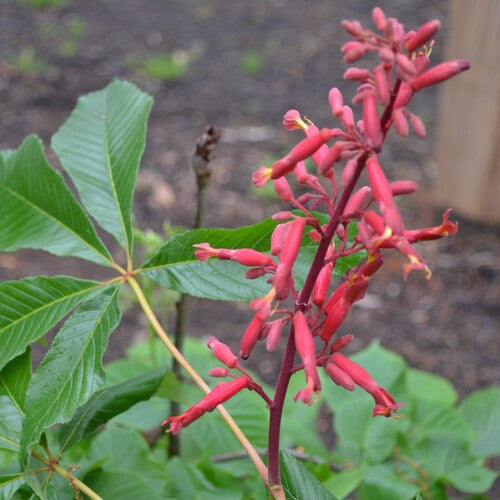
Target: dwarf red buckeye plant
[{"x": 306, "y": 319}]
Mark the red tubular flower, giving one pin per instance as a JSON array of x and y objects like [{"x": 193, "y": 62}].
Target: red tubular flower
[
  {"x": 340, "y": 377},
  {"x": 304, "y": 342},
  {"x": 423, "y": 35},
  {"x": 255, "y": 273},
  {"x": 334, "y": 318},
  {"x": 304, "y": 149},
  {"x": 251, "y": 335},
  {"x": 222, "y": 352},
  {"x": 375, "y": 221},
  {"x": 205, "y": 251},
  {"x": 335, "y": 297},
  {"x": 289, "y": 252},
  {"x": 439, "y": 73},
  {"x": 317, "y": 156},
  {"x": 261, "y": 176},
  {"x": 372, "y": 264},
  {"x": 385, "y": 404},
  {"x": 220, "y": 393},
  {"x": 250, "y": 257},
  {"x": 356, "y": 372},
  {"x": 371, "y": 121},
  {"x": 433, "y": 233},
  {"x": 292, "y": 120},
  {"x": 382, "y": 192}
]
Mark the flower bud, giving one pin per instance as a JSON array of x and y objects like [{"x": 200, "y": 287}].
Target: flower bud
[
  {"x": 348, "y": 172},
  {"x": 381, "y": 189},
  {"x": 403, "y": 187},
  {"x": 282, "y": 189},
  {"x": 424, "y": 34},
  {"x": 322, "y": 284},
  {"x": 340, "y": 343},
  {"x": 405, "y": 93},
  {"x": 357, "y": 200},
  {"x": 251, "y": 335},
  {"x": 381, "y": 85},
  {"x": 222, "y": 352},
  {"x": 357, "y": 74},
  {"x": 379, "y": 18},
  {"x": 331, "y": 157},
  {"x": 255, "y": 273},
  {"x": 439, "y": 73},
  {"x": 347, "y": 118},
  {"x": 354, "y": 28},
  {"x": 340, "y": 377},
  {"x": 282, "y": 216},
  {"x": 371, "y": 121},
  {"x": 218, "y": 372},
  {"x": 406, "y": 65},
  {"x": 400, "y": 122},
  {"x": 418, "y": 126},
  {"x": 336, "y": 102},
  {"x": 274, "y": 335}
]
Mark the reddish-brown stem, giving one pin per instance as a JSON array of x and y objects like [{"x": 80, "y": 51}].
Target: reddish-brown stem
[{"x": 276, "y": 411}]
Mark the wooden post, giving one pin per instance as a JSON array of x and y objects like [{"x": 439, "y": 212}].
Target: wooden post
[{"x": 468, "y": 138}]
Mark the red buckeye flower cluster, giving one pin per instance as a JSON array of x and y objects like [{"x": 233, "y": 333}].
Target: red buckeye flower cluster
[{"x": 314, "y": 313}]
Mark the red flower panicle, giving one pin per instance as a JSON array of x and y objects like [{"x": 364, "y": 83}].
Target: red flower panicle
[{"x": 384, "y": 93}]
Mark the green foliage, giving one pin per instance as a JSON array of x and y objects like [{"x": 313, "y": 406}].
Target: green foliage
[
  {"x": 29, "y": 63},
  {"x": 40, "y": 4},
  {"x": 165, "y": 66},
  {"x": 252, "y": 62}
]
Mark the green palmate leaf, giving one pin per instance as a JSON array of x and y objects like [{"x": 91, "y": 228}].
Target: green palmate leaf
[
  {"x": 39, "y": 211},
  {"x": 15, "y": 377},
  {"x": 31, "y": 306},
  {"x": 481, "y": 409},
  {"x": 9, "y": 484},
  {"x": 125, "y": 485},
  {"x": 72, "y": 369},
  {"x": 381, "y": 482},
  {"x": 299, "y": 483},
  {"x": 472, "y": 478},
  {"x": 107, "y": 403},
  {"x": 100, "y": 147},
  {"x": 426, "y": 386},
  {"x": 345, "y": 482},
  {"x": 176, "y": 267},
  {"x": 127, "y": 451},
  {"x": 10, "y": 425}
]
